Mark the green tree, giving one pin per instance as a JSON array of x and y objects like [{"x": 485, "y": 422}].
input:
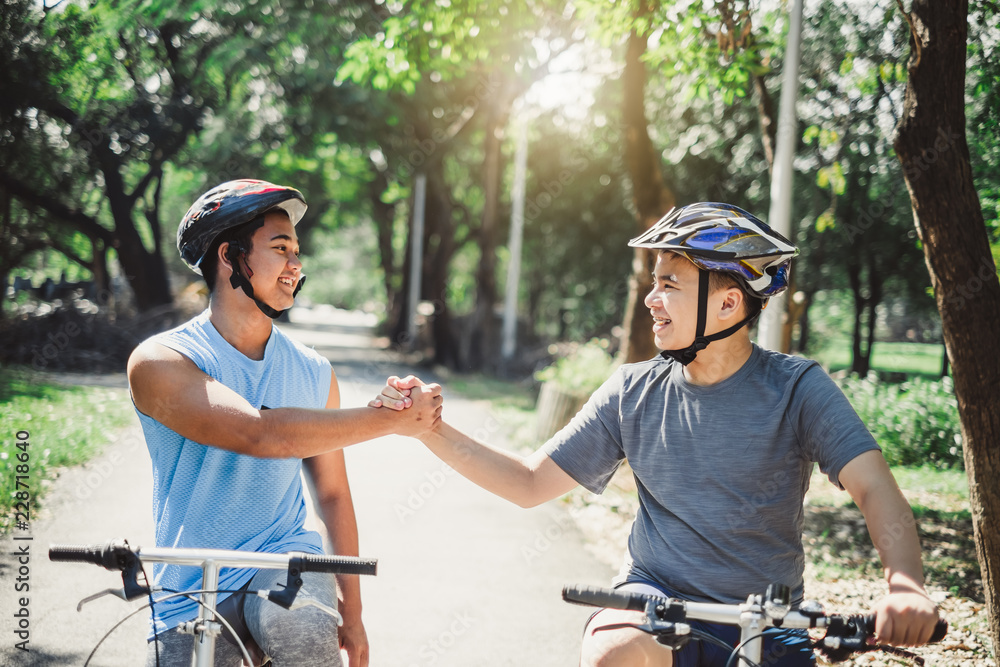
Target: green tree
[
  {"x": 713, "y": 49},
  {"x": 933, "y": 150},
  {"x": 108, "y": 95},
  {"x": 853, "y": 74},
  {"x": 485, "y": 51}
]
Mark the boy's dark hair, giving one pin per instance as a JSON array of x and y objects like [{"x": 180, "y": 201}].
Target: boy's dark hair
[
  {"x": 721, "y": 280},
  {"x": 241, "y": 236}
]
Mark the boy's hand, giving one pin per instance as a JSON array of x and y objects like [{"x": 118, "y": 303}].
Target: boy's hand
[
  {"x": 418, "y": 403},
  {"x": 391, "y": 398},
  {"x": 353, "y": 638},
  {"x": 395, "y": 395},
  {"x": 905, "y": 619}
]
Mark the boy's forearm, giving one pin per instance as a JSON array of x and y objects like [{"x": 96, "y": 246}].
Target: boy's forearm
[
  {"x": 500, "y": 472},
  {"x": 894, "y": 533},
  {"x": 301, "y": 433},
  {"x": 889, "y": 518}
]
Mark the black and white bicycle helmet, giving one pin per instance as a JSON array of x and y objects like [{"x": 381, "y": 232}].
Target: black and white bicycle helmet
[
  {"x": 228, "y": 206},
  {"x": 722, "y": 237}
]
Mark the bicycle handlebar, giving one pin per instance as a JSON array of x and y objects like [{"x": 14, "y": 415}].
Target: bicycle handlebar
[
  {"x": 106, "y": 555},
  {"x": 338, "y": 564},
  {"x": 595, "y": 596},
  {"x": 606, "y": 597},
  {"x": 867, "y": 625},
  {"x": 116, "y": 554}
]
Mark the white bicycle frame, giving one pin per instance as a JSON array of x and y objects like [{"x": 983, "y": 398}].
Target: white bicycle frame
[
  {"x": 669, "y": 617},
  {"x": 118, "y": 555},
  {"x": 752, "y": 617},
  {"x": 206, "y": 630}
]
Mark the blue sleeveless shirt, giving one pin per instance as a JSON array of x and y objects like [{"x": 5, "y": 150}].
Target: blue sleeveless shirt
[{"x": 209, "y": 498}]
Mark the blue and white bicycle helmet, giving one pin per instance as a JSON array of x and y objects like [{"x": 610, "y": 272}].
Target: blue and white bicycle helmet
[
  {"x": 722, "y": 237},
  {"x": 230, "y": 205}
]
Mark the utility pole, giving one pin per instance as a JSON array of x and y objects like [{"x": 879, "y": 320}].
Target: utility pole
[
  {"x": 509, "y": 346},
  {"x": 780, "y": 216}
]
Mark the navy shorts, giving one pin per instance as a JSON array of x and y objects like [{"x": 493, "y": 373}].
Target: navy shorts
[{"x": 782, "y": 648}]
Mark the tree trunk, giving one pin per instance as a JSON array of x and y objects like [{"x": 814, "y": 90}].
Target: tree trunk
[
  {"x": 384, "y": 215},
  {"x": 768, "y": 123},
  {"x": 483, "y": 334},
  {"x": 931, "y": 144},
  {"x": 439, "y": 248},
  {"x": 872, "y": 302},
  {"x": 650, "y": 197},
  {"x": 145, "y": 270},
  {"x": 858, "y": 359},
  {"x": 439, "y": 209},
  {"x": 805, "y": 329},
  {"x": 101, "y": 275},
  {"x": 794, "y": 314}
]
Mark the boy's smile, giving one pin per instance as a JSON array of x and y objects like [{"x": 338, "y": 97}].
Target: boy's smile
[
  {"x": 673, "y": 301},
  {"x": 275, "y": 262}
]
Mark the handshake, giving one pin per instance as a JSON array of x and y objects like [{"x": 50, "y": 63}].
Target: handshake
[{"x": 410, "y": 395}]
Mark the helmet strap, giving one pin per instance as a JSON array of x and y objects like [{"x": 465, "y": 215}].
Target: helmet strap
[
  {"x": 234, "y": 254},
  {"x": 686, "y": 355}
]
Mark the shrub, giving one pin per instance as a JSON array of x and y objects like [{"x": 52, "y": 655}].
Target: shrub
[
  {"x": 916, "y": 423},
  {"x": 582, "y": 370}
]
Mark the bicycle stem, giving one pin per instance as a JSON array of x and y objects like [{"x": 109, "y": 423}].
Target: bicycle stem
[{"x": 206, "y": 639}]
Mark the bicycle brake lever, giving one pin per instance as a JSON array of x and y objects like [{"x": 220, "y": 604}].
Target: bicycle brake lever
[
  {"x": 304, "y": 599},
  {"x": 619, "y": 626},
  {"x": 673, "y": 635},
  {"x": 119, "y": 593}
]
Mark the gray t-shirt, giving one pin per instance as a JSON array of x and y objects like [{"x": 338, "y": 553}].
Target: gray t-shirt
[{"x": 721, "y": 470}]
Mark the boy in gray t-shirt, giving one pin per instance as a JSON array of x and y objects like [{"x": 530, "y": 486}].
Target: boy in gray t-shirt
[
  {"x": 720, "y": 470},
  {"x": 721, "y": 437}
]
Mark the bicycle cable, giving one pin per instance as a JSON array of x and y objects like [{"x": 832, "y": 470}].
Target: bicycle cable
[
  {"x": 152, "y": 611},
  {"x": 173, "y": 594},
  {"x": 704, "y": 636},
  {"x": 700, "y": 635},
  {"x": 735, "y": 654}
]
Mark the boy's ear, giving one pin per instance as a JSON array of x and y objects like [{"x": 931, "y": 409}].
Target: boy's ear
[
  {"x": 223, "y": 258},
  {"x": 732, "y": 303}
]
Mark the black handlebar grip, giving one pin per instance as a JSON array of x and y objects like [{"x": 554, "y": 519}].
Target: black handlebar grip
[
  {"x": 940, "y": 628},
  {"x": 338, "y": 564},
  {"x": 604, "y": 597},
  {"x": 112, "y": 555},
  {"x": 77, "y": 553}
]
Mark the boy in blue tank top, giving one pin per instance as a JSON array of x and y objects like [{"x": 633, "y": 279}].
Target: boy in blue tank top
[
  {"x": 231, "y": 408},
  {"x": 721, "y": 436}
]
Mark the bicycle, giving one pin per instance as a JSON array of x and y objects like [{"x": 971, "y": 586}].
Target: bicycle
[
  {"x": 119, "y": 555},
  {"x": 666, "y": 620}
]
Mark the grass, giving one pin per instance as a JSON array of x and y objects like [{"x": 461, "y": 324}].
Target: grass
[
  {"x": 505, "y": 393},
  {"x": 943, "y": 490},
  {"x": 64, "y": 425},
  {"x": 910, "y": 358},
  {"x": 837, "y": 540}
]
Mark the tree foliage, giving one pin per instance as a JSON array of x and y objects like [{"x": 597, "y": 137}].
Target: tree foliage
[
  {"x": 131, "y": 108},
  {"x": 110, "y": 93}
]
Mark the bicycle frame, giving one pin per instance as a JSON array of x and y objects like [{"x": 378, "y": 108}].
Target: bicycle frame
[
  {"x": 752, "y": 617},
  {"x": 752, "y": 620},
  {"x": 667, "y": 620},
  {"x": 118, "y": 555},
  {"x": 211, "y": 561}
]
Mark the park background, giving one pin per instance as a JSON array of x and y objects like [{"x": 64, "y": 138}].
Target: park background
[{"x": 117, "y": 115}]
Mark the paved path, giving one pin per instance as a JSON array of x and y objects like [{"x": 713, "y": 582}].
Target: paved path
[{"x": 465, "y": 579}]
